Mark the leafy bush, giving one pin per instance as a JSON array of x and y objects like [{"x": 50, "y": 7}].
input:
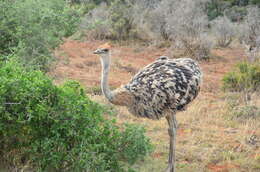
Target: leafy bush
[
  {"x": 224, "y": 31},
  {"x": 33, "y": 28},
  {"x": 133, "y": 137},
  {"x": 246, "y": 76},
  {"x": 59, "y": 128}
]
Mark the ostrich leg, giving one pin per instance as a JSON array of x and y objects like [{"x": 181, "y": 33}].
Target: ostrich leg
[{"x": 172, "y": 133}]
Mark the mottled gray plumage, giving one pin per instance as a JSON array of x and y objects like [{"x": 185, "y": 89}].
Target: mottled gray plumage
[
  {"x": 158, "y": 90},
  {"x": 165, "y": 85}
]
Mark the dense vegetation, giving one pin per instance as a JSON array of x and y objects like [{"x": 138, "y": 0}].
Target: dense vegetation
[
  {"x": 33, "y": 28},
  {"x": 59, "y": 127},
  {"x": 194, "y": 27}
]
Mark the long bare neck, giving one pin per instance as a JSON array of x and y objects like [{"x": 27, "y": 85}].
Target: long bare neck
[{"x": 105, "y": 61}]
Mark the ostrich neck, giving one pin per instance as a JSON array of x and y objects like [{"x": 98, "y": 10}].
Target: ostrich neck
[{"x": 105, "y": 61}]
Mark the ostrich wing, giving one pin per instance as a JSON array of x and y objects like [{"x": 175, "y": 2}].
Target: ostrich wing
[{"x": 165, "y": 85}]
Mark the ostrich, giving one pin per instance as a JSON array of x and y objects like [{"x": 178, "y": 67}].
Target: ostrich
[{"x": 158, "y": 90}]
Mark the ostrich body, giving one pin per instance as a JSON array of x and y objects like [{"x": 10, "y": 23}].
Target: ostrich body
[{"x": 158, "y": 90}]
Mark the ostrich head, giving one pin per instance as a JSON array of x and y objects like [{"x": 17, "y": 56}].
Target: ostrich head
[{"x": 103, "y": 51}]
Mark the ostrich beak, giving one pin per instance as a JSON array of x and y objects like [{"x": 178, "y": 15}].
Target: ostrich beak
[{"x": 96, "y": 51}]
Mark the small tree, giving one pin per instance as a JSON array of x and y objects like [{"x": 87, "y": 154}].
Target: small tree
[
  {"x": 120, "y": 19},
  {"x": 250, "y": 28},
  {"x": 186, "y": 23},
  {"x": 97, "y": 22},
  {"x": 248, "y": 33},
  {"x": 148, "y": 22},
  {"x": 224, "y": 31},
  {"x": 114, "y": 21}
]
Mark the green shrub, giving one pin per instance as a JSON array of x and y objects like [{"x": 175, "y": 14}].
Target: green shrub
[
  {"x": 58, "y": 128},
  {"x": 245, "y": 76},
  {"x": 131, "y": 137},
  {"x": 33, "y": 28}
]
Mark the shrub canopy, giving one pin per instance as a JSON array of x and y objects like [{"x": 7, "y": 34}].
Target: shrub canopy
[
  {"x": 59, "y": 127},
  {"x": 246, "y": 76},
  {"x": 33, "y": 28}
]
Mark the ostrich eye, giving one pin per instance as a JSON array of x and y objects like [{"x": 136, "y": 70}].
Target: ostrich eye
[{"x": 106, "y": 50}]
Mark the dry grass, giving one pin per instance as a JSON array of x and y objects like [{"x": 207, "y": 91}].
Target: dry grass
[{"x": 208, "y": 139}]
